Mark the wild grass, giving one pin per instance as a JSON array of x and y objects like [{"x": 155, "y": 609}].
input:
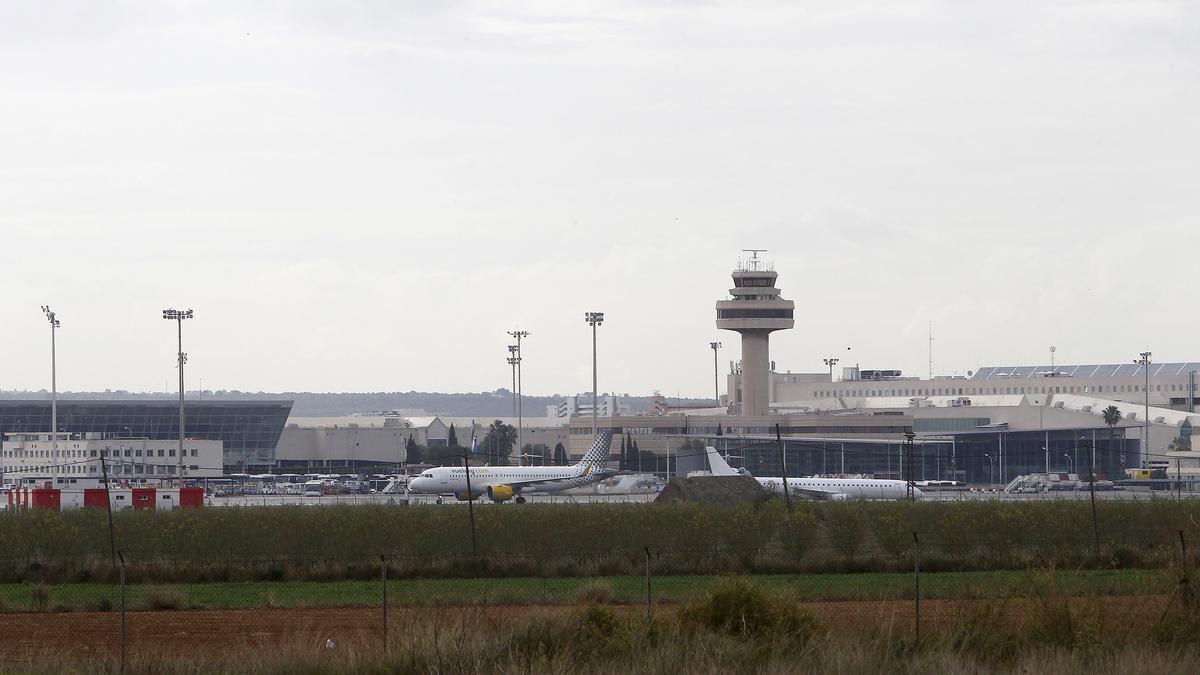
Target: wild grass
[
  {"x": 728, "y": 630},
  {"x": 293, "y": 543}
]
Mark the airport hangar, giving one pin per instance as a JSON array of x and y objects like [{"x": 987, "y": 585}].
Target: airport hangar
[
  {"x": 248, "y": 430},
  {"x": 370, "y": 443}
]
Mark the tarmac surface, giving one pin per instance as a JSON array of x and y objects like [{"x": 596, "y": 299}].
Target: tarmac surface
[{"x": 558, "y": 498}]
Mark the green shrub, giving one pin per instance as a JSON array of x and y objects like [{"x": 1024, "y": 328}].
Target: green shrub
[
  {"x": 39, "y": 597},
  {"x": 164, "y": 599},
  {"x": 594, "y": 592},
  {"x": 735, "y": 607}
]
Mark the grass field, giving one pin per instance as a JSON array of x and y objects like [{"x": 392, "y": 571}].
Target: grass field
[
  {"x": 347, "y": 542},
  {"x": 566, "y": 591}
]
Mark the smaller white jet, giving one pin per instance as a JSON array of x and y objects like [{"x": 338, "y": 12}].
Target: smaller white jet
[
  {"x": 501, "y": 483},
  {"x": 834, "y": 489}
]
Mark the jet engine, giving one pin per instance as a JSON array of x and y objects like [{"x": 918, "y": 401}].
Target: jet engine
[{"x": 499, "y": 493}]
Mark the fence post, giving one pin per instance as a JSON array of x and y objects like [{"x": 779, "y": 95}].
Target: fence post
[
  {"x": 383, "y": 578},
  {"x": 1185, "y": 588},
  {"x": 121, "y": 568},
  {"x": 648, "y": 614},
  {"x": 916, "y": 589}
]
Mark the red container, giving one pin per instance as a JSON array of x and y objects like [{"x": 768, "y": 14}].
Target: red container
[
  {"x": 143, "y": 498},
  {"x": 95, "y": 498},
  {"x": 45, "y": 498},
  {"x": 191, "y": 497}
]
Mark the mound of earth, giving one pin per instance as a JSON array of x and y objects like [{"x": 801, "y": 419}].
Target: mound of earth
[{"x": 727, "y": 490}]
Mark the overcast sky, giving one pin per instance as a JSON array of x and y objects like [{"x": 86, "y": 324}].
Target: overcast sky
[{"x": 367, "y": 195}]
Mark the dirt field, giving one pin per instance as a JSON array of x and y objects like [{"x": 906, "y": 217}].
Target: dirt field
[{"x": 82, "y": 633}]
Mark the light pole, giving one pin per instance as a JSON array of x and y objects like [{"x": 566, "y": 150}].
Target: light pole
[
  {"x": 1144, "y": 361},
  {"x": 518, "y": 334},
  {"x": 178, "y": 315},
  {"x": 512, "y": 361},
  {"x": 989, "y": 459},
  {"x": 716, "y": 387},
  {"x": 831, "y": 362},
  {"x": 594, "y": 319},
  {"x": 54, "y": 324},
  {"x": 1071, "y": 460}
]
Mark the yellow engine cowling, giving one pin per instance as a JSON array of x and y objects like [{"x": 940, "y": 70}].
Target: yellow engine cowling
[{"x": 499, "y": 493}]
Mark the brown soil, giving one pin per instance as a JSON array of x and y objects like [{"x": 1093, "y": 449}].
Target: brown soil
[{"x": 81, "y": 633}]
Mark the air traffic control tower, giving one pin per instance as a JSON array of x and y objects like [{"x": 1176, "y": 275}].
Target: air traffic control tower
[{"x": 755, "y": 310}]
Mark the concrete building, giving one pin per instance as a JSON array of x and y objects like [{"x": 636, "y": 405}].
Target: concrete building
[
  {"x": 366, "y": 442},
  {"x": 1170, "y": 385},
  {"x": 755, "y": 310},
  {"x": 28, "y": 455},
  {"x": 608, "y": 406}
]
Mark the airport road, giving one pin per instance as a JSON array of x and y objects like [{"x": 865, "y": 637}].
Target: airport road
[
  {"x": 963, "y": 496},
  {"x": 328, "y": 500}
]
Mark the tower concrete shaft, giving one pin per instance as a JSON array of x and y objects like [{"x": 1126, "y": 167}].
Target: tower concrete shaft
[{"x": 755, "y": 310}]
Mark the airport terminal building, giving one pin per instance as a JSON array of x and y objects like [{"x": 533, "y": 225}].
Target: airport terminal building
[{"x": 248, "y": 430}]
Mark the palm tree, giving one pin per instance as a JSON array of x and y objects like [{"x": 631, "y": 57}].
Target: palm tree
[{"x": 1112, "y": 417}]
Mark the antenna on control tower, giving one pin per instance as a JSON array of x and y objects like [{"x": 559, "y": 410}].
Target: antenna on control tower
[{"x": 753, "y": 262}]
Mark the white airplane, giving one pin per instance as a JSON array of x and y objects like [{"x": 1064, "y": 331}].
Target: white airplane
[
  {"x": 834, "y": 489},
  {"x": 501, "y": 483}
]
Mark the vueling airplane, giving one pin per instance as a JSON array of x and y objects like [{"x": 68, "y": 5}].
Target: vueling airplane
[
  {"x": 834, "y": 489},
  {"x": 501, "y": 483}
]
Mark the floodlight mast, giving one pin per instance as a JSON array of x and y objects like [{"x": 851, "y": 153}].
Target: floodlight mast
[
  {"x": 178, "y": 316},
  {"x": 54, "y": 324},
  {"x": 716, "y": 386},
  {"x": 519, "y": 334},
  {"x": 1144, "y": 361},
  {"x": 594, "y": 319}
]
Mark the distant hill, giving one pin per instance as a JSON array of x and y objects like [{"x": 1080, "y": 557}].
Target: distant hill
[{"x": 314, "y": 404}]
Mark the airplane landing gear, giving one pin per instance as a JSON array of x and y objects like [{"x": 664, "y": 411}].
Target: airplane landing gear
[
  {"x": 439, "y": 500},
  {"x": 519, "y": 499}
]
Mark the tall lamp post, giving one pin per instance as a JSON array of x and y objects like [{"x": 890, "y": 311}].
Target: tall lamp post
[
  {"x": 54, "y": 324},
  {"x": 594, "y": 319},
  {"x": 1144, "y": 361},
  {"x": 716, "y": 387},
  {"x": 989, "y": 459},
  {"x": 512, "y": 361},
  {"x": 178, "y": 315},
  {"x": 519, "y": 334},
  {"x": 831, "y": 362}
]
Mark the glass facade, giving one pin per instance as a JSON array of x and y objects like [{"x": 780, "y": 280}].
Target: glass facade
[
  {"x": 973, "y": 457},
  {"x": 249, "y": 430}
]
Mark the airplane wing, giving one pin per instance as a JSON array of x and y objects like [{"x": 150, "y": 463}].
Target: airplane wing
[
  {"x": 776, "y": 486},
  {"x": 811, "y": 493}
]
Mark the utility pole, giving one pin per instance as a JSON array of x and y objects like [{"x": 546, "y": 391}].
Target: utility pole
[
  {"x": 54, "y": 324},
  {"x": 178, "y": 316},
  {"x": 716, "y": 387},
  {"x": 910, "y": 486},
  {"x": 1144, "y": 361},
  {"x": 594, "y": 319}
]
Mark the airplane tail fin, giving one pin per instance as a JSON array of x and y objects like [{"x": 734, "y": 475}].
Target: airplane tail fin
[
  {"x": 597, "y": 455},
  {"x": 718, "y": 465}
]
